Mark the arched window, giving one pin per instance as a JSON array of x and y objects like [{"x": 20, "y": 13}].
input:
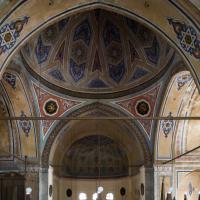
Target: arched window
[
  {"x": 82, "y": 196},
  {"x": 109, "y": 196},
  {"x": 95, "y": 196}
]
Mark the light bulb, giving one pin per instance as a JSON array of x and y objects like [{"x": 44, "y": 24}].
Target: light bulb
[
  {"x": 99, "y": 189},
  {"x": 28, "y": 190}
]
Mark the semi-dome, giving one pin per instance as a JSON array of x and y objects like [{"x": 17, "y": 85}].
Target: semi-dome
[
  {"x": 97, "y": 52},
  {"x": 95, "y": 156}
]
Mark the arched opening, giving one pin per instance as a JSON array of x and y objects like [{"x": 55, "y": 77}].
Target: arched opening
[{"x": 86, "y": 155}]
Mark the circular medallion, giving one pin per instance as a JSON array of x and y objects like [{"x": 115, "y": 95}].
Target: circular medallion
[
  {"x": 51, "y": 107},
  {"x": 142, "y": 108}
]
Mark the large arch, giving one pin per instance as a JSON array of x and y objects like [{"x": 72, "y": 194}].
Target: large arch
[{"x": 102, "y": 110}]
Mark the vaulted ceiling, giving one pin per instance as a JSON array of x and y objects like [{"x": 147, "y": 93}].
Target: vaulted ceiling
[
  {"x": 97, "y": 52},
  {"x": 90, "y": 58}
]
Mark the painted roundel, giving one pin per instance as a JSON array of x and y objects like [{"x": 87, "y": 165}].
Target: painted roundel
[
  {"x": 97, "y": 52},
  {"x": 142, "y": 108},
  {"x": 51, "y": 107}
]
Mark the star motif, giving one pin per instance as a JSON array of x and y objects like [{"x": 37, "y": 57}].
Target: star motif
[
  {"x": 7, "y": 37},
  {"x": 188, "y": 40}
]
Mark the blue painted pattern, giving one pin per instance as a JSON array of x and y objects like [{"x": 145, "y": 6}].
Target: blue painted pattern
[
  {"x": 10, "y": 79},
  {"x": 167, "y": 125},
  {"x": 116, "y": 72},
  {"x": 97, "y": 83},
  {"x": 139, "y": 73},
  {"x": 41, "y": 51},
  {"x": 57, "y": 74},
  {"x": 83, "y": 32},
  {"x": 110, "y": 33},
  {"x": 10, "y": 32},
  {"x": 76, "y": 71},
  {"x": 187, "y": 37},
  {"x": 25, "y": 124}
]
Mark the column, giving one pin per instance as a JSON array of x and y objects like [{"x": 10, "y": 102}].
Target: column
[
  {"x": 161, "y": 171},
  {"x": 149, "y": 183},
  {"x": 43, "y": 184}
]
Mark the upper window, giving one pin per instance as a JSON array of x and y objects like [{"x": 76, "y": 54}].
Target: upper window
[
  {"x": 109, "y": 196},
  {"x": 82, "y": 196},
  {"x": 95, "y": 196}
]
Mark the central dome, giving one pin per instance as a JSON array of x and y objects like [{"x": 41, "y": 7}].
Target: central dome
[{"x": 97, "y": 52}]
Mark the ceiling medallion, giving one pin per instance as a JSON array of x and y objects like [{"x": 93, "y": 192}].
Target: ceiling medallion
[
  {"x": 51, "y": 107},
  {"x": 142, "y": 108}
]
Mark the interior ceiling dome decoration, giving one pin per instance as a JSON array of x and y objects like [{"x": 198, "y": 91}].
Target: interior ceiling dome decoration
[
  {"x": 97, "y": 52},
  {"x": 95, "y": 156}
]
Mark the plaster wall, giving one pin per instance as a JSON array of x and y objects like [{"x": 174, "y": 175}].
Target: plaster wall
[{"x": 89, "y": 187}]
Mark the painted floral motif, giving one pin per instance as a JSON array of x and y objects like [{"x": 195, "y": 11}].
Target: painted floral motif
[
  {"x": 83, "y": 32},
  {"x": 187, "y": 37},
  {"x": 10, "y": 32},
  {"x": 25, "y": 124},
  {"x": 167, "y": 125},
  {"x": 182, "y": 80},
  {"x": 41, "y": 51},
  {"x": 76, "y": 71},
  {"x": 10, "y": 79},
  {"x": 51, "y": 105},
  {"x": 55, "y": 73},
  {"x": 142, "y": 106}
]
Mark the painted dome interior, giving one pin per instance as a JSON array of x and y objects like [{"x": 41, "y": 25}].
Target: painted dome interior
[
  {"x": 95, "y": 156},
  {"x": 97, "y": 52}
]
